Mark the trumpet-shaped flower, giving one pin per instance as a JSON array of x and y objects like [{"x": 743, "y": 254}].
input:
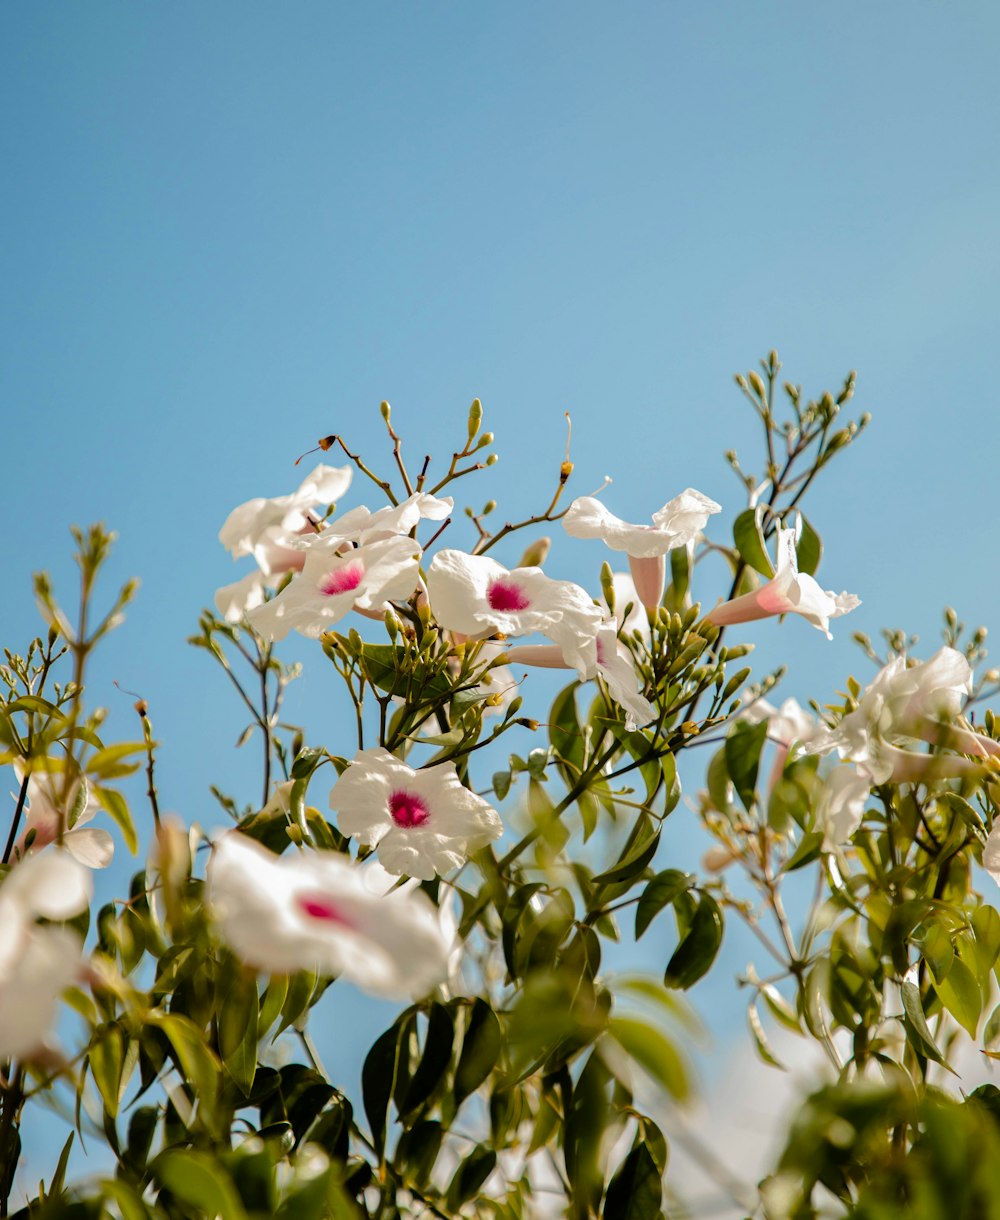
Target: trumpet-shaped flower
[
  {"x": 330, "y": 585},
  {"x": 787, "y": 726},
  {"x": 477, "y": 596},
  {"x": 604, "y": 655},
  {"x": 676, "y": 524},
  {"x": 92, "y": 846},
  {"x": 788, "y": 592},
  {"x": 424, "y": 823},
  {"x": 266, "y": 528},
  {"x": 37, "y": 963},
  {"x": 360, "y": 525},
  {"x": 315, "y": 911}
]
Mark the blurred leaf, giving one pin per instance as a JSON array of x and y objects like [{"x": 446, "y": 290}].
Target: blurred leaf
[
  {"x": 960, "y": 994},
  {"x": 196, "y": 1178},
  {"x": 653, "y": 1051},
  {"x": 480, "y": 1050},
  {"x": 113, "y": 803},
  {"x": 237, "y": 1020},
  {"x": 760, "y": 1038},
  {"x": 636, "y": 1190},
  {"x": 470, "y": 1176}
]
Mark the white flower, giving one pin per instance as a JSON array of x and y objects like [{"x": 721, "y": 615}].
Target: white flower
[
  {"x": 904, "y": 702},
  {"x": 331, "y": 585},
  {"x": 424, "y": 823},
  {"x": 605, "y": 655},
  {"x": 37, "y": 963},
  {"x": 233, "y": 601},
  {"x": 93, "y": 847},
  {"x": 787, "y": 592},
  {"x": 842, "y": 803},
  {"x": 476, "y": 596},
  {"x": 314, "y": 910},
  {"x": 265, "y": 528},
  {"x": 676, "y": 524},
  {"x": 362, "y": 525}
]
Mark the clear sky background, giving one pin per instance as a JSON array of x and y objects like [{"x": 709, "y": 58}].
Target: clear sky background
[{"x": 229, "y": 229}]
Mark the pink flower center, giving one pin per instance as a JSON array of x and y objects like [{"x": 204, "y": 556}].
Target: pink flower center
[
  {"x": 506, "y": 594},
  {"x": 408, "y": 809},
  {"x": 601, "y": 653},
  {"x": 318, "y": 906},
  {"x": 343, "y": 580}
]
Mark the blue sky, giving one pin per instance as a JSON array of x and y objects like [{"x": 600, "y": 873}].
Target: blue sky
[{"x": 232, "y": 228}]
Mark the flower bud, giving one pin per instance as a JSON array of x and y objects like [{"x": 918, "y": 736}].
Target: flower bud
[
  {"x": 757, "y": 383},
  {"x": 565, "y": 470},
  {"x": 484, "y": 440},
  {"x": 475, "y": 418},
  {"x": 492, "y": 459},
  {"x": 386, "y": 410},
  {"x": 608, "y": 585},
  {"x": 488, "y": 507},
  {"x": 391, "y": 624},
  {"x": 535, "y": 554},
  {"x": 716, "y": 859}
]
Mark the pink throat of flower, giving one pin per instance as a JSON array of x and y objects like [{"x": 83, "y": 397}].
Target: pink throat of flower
[
  {"x": 507, "y": 594},
  {"x": 602, "y": 656},
  {"x": 408, "y": 810},
  {"x": 343, "y": 580},
  {"x": 318, "y": 906}
]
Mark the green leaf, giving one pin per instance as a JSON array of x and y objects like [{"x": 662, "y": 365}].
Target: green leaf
[
  {"x": 653, "y": 1051},
  {"x": 480, "y": 1050},
  {"x": 434, "y": 1061},
  {"x": 694, "y": 955},
  {"x": 107, "y": 1058},
  {"x": 636, "y": 1190},
  {"x": 991, "y": 1034},
  {"x": 809, "y": 549},
  {"x": 109, "y": 762},
  {"x": 636, "y": 854},
  {"x": 470, "y": 1176},
  {"x": 501, "y": 783},
  {"x": 113, "y": 803},
  {"x": 237, "y": 1016},
  {"x": 749, "y": 539},
  {"x": 960, "y": 994},
  {"x": 808, "y": 850},
  {"x": 659, "y": 892},
  {"x": 197, "y": 1063},
  {"x": 272, "y": 1002},
  {"x": 199, "y": 1180},
  {"x": 378, "y": 1077},
  {"x": 915, "y": 1023},
  {"x": 760, "y": 1038},
  {"x": 743, "y": 748}
]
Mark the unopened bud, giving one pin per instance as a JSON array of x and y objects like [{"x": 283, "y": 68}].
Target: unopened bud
[
  {"x": 386, "y": 410},
  {"x": 528, "y": 724},
  {"x": 608, "y": 585},
  {"x": 535, "y": 554},
  {"x": 492, "y": 459},
  {"x": 716, "y": 859},
  {"x": 391, "y": 624},
  {"x": 484, "y": 440},
  {"x": 565, "y": 470},
  {"x": 475, "y": 418},
  {"x": 757, "y": 383},
  {"x": 488, "y": 507}
]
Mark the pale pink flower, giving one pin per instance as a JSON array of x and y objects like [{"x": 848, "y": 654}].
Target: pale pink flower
[
  {"x": 676, "y": 524},
  {"x": 37, "y": 963},
  {"x": 266, "y": 528},
  {"x": 787, "y": 726},
  {"x": 423, "y": 823},
  {"x": 603, "y": 655},
  {"x": 234, "y": 601},
  {"x": 331, "y": 585},
  {"x": 313, "y": 910},
  {"x": 788, "y": 592},
  {"x": 92, "y": 846},
  {"x": 903, "y": 702},
  {"x": 476, "y": 596},
  {"x": 626, "y": 595}
]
